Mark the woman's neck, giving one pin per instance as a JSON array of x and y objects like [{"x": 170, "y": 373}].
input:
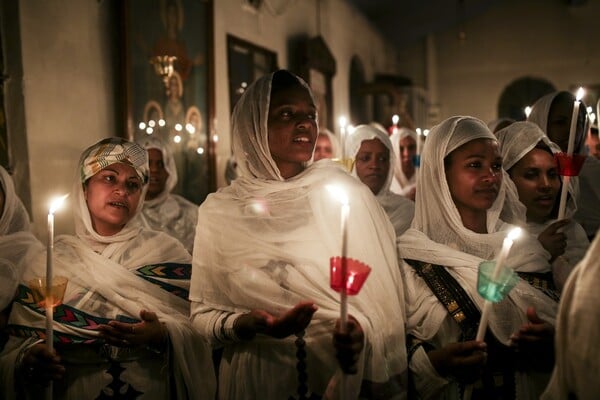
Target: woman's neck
[{"x": 475, "y": 221}]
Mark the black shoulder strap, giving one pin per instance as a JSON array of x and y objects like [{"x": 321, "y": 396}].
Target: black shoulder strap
[{"x": 449, "y": 292}]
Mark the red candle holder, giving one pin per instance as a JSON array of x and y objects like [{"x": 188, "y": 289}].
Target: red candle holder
[
  {"x": 569, "y": 165},
  {"x": 356, "y": 274}
]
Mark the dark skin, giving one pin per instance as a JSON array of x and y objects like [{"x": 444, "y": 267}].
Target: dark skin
[
  {"x": 292, "y": 133},
  {"x": 40, "y": 365}
]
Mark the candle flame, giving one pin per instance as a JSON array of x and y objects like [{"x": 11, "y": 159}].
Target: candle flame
[
  {"x": 418, "y": 130},
  {"x": 56, "y": 203},
  {"x": 580, "y": 94},
  {"x": 343, "y": 121},
  {"x": 395, "y": 119},
  {"x": 425, "y": 132},
  {"x": 527, "y": 111},
  {"x": 514, "y": 233},
  {"x": 338, "y": 193}
]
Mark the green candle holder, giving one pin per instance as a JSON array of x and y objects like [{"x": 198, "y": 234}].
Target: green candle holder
[{"x": 495, "y": 289}]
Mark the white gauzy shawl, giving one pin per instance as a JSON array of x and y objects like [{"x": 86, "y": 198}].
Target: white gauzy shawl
[
  {"x": 266, "y": 244},
  {"x": 399, "y": 209},
  {"x": 14, "y": 218},
  {"x": 438, "y": 236},
  {"x": 102, "y": 281},
  {"x": 401, "y": 184},
  {"x": 15, "y": 239},
  {"x": 168, "y": 212},
  {"x": 578, "y": 328},
  {"x": 516, "y": 141}
]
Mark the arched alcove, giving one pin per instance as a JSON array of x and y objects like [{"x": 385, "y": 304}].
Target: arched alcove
[{"x": 521, "y": 93}]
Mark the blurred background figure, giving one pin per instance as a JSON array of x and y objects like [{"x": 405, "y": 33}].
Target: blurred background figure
[
  {"x": 499, "y": 123},
  {"x": 592, "y": 142},
  {"x": 575, "y": 374},
  {"x": 404, "y": 143},
  {"x": 371, "y": 151},
  {"x": 163, "y": 210},
  {"x": 327, "y": 145}
]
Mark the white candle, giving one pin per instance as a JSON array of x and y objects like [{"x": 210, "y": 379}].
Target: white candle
[
  {"x": 343, "y": 293},
  {"x": 419, "y": 133},
  {"x": 506, "y": 245},
  {"x": 572, "y": 133},
  {"x": 56, "y": 203},
  {"x": 395, "y": 120}
]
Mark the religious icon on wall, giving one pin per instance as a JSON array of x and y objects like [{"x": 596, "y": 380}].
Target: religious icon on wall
[{"x": 171, "y": 101}]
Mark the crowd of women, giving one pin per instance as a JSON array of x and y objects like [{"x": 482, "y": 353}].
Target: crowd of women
[{"x": 232, "y": 300}]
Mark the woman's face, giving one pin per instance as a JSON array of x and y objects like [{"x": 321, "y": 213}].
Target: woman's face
[
  {"x": 157, "y": 177},
  {"x": 559, "y": 122},
  {"x": 112, "y": 197},
  {"x": 408, "y": 149},
  {"x": 537, "y": 180},
  {"x": 373, "y": 164},
  {"x": 323, "y": 148},
  {"x": 292, "y": 126},
  {"x": 474, "y": 176}
]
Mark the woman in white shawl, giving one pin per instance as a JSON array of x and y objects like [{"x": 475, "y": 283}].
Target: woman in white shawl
[
  {"x": 122, "y": 329},
  {"x": 163, "y": 210},
  {"x": 553, "y": 114},
  {"x": 15, "y": 240},
  {"x": 528, "y": 157},
  {"x": 575, "y": 374},
  {"x": 456, "y": 226},
  {"x": 261, "y": 287},
  {"x": 327, "y": 145},
  {"x": 373, "y": 157},
  {"x": 404, "y": 143}
]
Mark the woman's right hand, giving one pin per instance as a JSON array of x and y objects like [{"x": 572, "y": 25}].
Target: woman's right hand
[
  {"x": 296, "y": 319},
  {"x": 39, "y": 365},
  {"x": 554, "y": 241},
  {"x": 462, "y": 360}
]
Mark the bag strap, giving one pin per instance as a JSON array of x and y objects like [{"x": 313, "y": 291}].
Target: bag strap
[{"x": 451, "y": 294}]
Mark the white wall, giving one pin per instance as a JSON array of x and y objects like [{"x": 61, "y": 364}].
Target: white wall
[
  {"x": 70, "y": 78},
  {"x": 69, "y": 86},
  {"x": 535, "y": 38},
  {"x": 346, "y": 32}
]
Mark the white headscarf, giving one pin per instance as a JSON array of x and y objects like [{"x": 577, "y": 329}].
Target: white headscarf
[
  {"x": 402, "y": 185},
  {"x": 252, "y": 151},
  {"x": 335, "y": 142},
  {"x": 14, "y": 218},
  {"x": 167, "y": 212},
  {"x": 516, "y": 141},
  {"x": 540, "y": 111},
  {"x": 106, "y": 266},
  {"x": 170, "y": 167},
  {"x": 265, "y": 243},
  {"x": 15, "y": 239},
  {"x": 438, "y": 236},
  {"x": 399, "y": 209},
  {"x": 93, "y": 159}
]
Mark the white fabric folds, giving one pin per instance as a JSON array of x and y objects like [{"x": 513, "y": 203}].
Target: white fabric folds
[
  {"x": 266, "y": 244},
  {"x": 399, "y": 209}
]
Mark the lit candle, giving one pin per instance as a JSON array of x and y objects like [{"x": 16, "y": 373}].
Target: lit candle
[
  {"x": 54, "y": 206},
  {"x": 340, "y": 195},
  {"x": 395, "y": 120},
  {"x": 527, "y": 111},
  {"x": 506, "y": 245},
  {"x": 572, "y": 133}
]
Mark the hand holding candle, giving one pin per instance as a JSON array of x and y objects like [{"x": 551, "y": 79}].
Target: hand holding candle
[
  {"x": 570, "y": 148},
  {"x": 50, "y": 301}
]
